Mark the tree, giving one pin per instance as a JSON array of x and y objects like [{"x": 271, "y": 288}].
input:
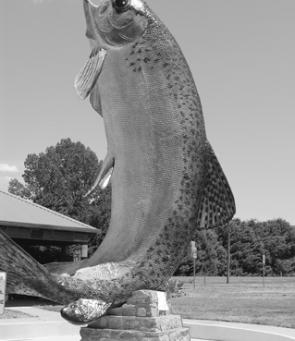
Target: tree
[
  {"x": 249, "y": 240},
  {"x": 211, "y": 255},
  {"x": 278, "y": 239},
  {"x": 17, "y": 188},
  {"x": 60, "y": 177},
  {"x": 100, "y": 213},
  {"x": 212, "y": 260}
]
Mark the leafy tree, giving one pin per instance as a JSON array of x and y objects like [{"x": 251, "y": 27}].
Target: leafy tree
[
  {"x": 278, "y": 240},
  {"x": 17, "y": 188},
  {"x": 60, "y": 177},
  {"x": 211, "y": 256},
  {"x": 249, "y": 240},
  {"x": 285, "y": 266},
  {"x": 100, "y": 214}
]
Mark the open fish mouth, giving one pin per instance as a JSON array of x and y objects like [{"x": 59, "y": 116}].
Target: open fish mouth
[{"x": 107, "y": 27}]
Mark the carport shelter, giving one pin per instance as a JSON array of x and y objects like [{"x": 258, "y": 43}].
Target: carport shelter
[{"x": 31, "y": 224}]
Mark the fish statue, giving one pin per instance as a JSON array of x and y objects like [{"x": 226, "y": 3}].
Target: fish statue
[{"x": 166, "y": 180}]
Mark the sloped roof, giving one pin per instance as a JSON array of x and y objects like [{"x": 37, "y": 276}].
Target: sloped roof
[{"x": 15, "y": 211}]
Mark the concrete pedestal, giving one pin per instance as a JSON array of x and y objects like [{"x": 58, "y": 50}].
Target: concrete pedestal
[{"x": 144, "y": 317}]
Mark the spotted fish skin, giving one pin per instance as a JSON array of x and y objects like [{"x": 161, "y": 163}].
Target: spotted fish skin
[
  {"x": 166, "y": 180},
  {"x": 173, "y": 149},
  {"x": 153, "y": 120}
]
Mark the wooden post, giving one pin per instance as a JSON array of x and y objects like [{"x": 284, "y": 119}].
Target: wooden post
[
  {"x": 263, "y": 270},
  {"x": 194, "y": 255},
  {"x": 194, "y": 262},
  {"x": 228, "y": 254},
  {"x": 2, "y": 291}
]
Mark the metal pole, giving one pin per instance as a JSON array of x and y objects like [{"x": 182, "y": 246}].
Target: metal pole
[{"x": 228, "y": 255}]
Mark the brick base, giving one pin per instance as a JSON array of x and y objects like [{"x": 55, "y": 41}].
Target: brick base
[
  {"x": 144, "y": 317},
  {"x": 91, "y": 334}
]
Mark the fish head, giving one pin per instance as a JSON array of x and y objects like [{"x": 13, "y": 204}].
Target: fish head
[
  {"x": 115, "y": 23},
  {"x": 84, "y": 311}
]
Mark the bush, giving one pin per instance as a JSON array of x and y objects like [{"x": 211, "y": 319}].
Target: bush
[{"x": 174, "y": 288}]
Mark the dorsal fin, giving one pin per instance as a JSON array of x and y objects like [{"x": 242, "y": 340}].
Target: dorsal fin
[{"x": 218, "y": 204}]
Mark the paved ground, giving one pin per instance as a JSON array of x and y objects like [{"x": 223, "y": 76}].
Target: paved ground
[
  {"x": 52, "y": 338},
  {"x": 42, "y": 323},
  {"x": 42, "y": 320},
  {"x": 247, "y": 326},
  {"x": 67, "y": 338},
  {"x": 50, "y": 323}
]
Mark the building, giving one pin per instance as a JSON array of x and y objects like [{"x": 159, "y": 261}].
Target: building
[{"x": 30, "y": 224}]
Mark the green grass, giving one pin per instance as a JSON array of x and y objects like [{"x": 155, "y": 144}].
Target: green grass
[{"x": 243, "y": 300}]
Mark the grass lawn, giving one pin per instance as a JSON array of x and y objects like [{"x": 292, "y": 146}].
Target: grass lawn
[{"x": 243, "y": 300}]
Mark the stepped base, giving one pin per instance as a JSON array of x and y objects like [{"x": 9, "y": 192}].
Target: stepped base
[
  {"x": 144, "y": 317},
  {"x": 90, "y": 334}
]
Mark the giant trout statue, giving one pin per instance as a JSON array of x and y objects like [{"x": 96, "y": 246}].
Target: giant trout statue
[{"x": 166, "y": 181}]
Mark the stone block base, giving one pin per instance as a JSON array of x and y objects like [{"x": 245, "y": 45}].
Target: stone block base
[
  {"x": 144, "y": 317},
  {"x": 91, "y": 334}
]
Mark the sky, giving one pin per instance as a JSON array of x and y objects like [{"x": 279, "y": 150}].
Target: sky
[{"x": 241, "y": 53}]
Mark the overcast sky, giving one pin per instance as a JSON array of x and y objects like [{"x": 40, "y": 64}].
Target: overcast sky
[{"x": 241, "y": 53}]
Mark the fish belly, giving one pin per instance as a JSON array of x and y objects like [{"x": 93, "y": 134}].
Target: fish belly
[{"x": 145, "y": 137}]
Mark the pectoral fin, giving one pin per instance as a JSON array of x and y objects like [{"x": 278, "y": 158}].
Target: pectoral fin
[
  {"x": 87, "y": 77},
  {"x": 104, "y": 175},
  {"x": 218, "y": 204}
]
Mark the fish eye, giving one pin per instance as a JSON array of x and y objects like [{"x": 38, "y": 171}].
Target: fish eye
[{"x": 120, "y": 5}]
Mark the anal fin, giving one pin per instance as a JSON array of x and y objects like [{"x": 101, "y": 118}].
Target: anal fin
[{"x": 218, "y": 205}]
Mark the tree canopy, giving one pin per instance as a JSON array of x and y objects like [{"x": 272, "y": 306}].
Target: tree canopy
[
  {"x": 249, "y": 240},
  {"x": 60, "y": 177}
]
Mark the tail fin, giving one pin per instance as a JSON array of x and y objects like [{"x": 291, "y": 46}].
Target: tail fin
[{"x": 24, "y": 271}]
